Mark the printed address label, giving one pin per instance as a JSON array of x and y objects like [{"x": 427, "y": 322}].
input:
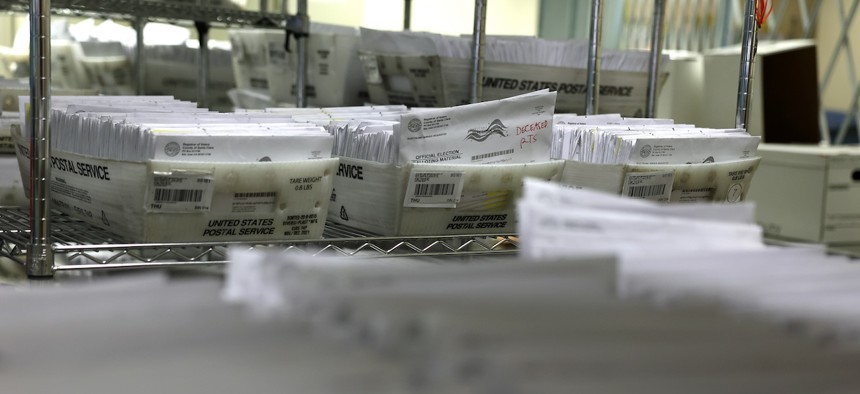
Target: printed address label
[{"x": 434, "y": 189}]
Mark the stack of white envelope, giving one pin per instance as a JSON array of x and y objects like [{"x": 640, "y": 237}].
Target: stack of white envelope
[
  {"x": 361, "y": 132},
  {"x": 566, "y": 139},
  {"x": 655, "y": 158},
  {"x": 443, "y": 170},
  {"x": 154, "y": 169},
  {"x": 122, "y": 133},
  {"x": 630, "y": 143}
]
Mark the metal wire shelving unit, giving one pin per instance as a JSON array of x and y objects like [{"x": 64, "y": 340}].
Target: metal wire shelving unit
[{"x": 36, "y": 237}]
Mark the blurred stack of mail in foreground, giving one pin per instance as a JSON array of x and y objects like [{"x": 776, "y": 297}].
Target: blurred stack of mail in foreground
[
  {"x": 155, "y": 169},
  {"x": 677, "y": 254},
  {"x": 499, "y": 325},
  {"x": 393, "y": 326}
]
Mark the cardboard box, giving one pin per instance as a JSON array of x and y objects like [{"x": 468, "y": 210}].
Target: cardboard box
[
  {"x": 373, "y": 197},
  {"x": 701, "y": 182},
  {"x": 809, "y": 193},
  {"x": 434, "y": 81},
  {"x": 163, "y": 201},
  {"x": 785, "y": 105}
]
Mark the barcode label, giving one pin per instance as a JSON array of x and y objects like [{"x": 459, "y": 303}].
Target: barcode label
[
  {"x": 700, "y": 190},
  {"x": 434, "y": 189},
  {"x": 701, "y": 194},
  {"x": 651, "y": 185},
  {"x": 178, "y": 195},
  {"x": 646, "y": 191},
  {"x": 254, "y": 202},
  {"x": 255, "y": 195},
  {"x": 492, "y": 154},
  {"x": 180, "y": 192}
]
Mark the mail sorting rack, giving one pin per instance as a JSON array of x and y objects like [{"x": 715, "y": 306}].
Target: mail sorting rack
[
  {"x": 39, "y": 246},
  {"x": 32, "y": 238}
]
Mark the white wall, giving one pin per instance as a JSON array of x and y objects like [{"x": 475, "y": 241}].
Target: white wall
[
  {"x": 839, "y": 91},
  {"x": 454, "y": 17},
  {"x": 8, "y": 25}
]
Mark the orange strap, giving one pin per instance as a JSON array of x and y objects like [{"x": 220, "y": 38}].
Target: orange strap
[{"x": 763, "y": 9}]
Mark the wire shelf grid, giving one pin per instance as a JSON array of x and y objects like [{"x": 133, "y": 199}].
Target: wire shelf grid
[{"x": 86, "y": 247}]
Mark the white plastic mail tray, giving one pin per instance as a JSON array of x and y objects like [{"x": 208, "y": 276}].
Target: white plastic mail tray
[
  {"x": 163, "y": 201},
  {"x": 431, "y": 199},
  {"x": 712, "y": 182}
]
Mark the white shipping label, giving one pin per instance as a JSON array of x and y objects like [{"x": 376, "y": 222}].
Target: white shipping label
[
  {"x": 652, "y": 185},
  {"x": 180, "y": 192},
  {"x": 434, "y": 189}
]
